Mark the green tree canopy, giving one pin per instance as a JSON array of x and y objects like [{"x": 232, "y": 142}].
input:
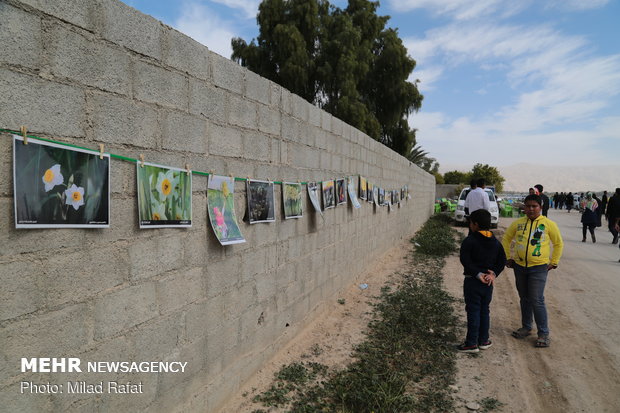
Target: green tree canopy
[
  {"x": 490, "y": 174},
  {"x": 457, "y": 177},
  {"x": 346, "y": 61}
]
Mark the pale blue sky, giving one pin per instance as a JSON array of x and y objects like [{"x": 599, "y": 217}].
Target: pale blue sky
[{"x": 504, "y": 81}]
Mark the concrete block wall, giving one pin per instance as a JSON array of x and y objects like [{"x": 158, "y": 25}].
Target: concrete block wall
[{"x": 98, "y": 71}]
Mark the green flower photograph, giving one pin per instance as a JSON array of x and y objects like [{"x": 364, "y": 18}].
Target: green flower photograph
[
  {"x": 60, "y": 187},
  {"x": 291, "y": 198},
  {"x": 164, "y": 196}
]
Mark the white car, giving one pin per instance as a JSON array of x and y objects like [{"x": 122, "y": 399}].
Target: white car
[{"x": 459, "y": 214}]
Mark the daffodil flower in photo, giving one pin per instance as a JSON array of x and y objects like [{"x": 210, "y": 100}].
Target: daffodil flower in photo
[
  {"x": 52, "y": 177},
  {"x": 75, "y": 196},
  {"x": 166, "y": 183},
  {"x": 159, "y": 212}
]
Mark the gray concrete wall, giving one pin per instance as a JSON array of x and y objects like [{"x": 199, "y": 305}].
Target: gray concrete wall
[{"x": 98, "y": 71}]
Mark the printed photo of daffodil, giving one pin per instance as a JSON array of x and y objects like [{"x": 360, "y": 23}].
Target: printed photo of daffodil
[
  {"x": 164, "y": 196},
  {"x": 221, "y": 206},
  {"x": 60, "y": 187}
]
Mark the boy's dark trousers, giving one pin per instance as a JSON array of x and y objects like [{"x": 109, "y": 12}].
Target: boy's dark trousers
[{"x": 477, "y": 299}]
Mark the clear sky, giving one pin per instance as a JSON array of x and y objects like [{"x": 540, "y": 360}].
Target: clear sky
[{"x": 504, "y": 81}]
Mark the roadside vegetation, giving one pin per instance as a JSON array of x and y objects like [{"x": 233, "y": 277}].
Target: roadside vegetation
[{"x": 407, "y": 361}]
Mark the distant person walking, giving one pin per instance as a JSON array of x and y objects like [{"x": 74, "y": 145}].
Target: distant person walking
[
  {"x": 556, "y": 200},
  {"x": 589, "y": 217},
  {"x": 545, "y": 199},
  {"x": 532, "y": 259},
  {"x": 604, "y": 200},
  {"x": 570, "y": 200},
  {"x": 613, "y": 213}
]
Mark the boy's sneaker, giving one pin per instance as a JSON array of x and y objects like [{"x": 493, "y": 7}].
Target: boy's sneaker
[
  {"x": 467, "y": 349},
  {"x": 485, "y": 345}
]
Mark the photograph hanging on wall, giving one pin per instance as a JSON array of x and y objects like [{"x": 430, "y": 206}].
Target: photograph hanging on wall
[
  {"x": 221, "y": 207},
  {"x": 381, "y": 197},
  {"x": 60, "y": 187},
  {"x": 329, "y": 195},
  {"x": 402, "y": 193},
  {"x": 375, "y": 194},
  {"x": 341, "y": 196},
  {"x": 314, "y": 193},
  {"x": 291, "y": 199},
  {"x": 352, "y": 193},
  {"x": 369, "y": 191},
  {"x": 363, "y": 187},
  {"x": 261, "y": 201},
  {"x": 407, "y": 196},
  {"x": 164, "y": 196}
]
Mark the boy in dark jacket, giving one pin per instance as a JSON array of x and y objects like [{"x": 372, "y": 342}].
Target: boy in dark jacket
[{"x": 483, "y": 259}]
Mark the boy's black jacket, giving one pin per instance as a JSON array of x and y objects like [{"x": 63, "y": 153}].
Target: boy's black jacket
[{"x": 480, "y": 253}]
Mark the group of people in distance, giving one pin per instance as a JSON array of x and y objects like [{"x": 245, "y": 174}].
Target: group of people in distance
[
  {"x": 593, "y": 211},
  {"x": 484, "y": 257}
]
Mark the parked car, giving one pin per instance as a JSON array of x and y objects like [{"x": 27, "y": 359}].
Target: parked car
[{"x": 459, "y": 214}]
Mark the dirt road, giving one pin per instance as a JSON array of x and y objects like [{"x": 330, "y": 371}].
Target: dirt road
[{"x": 580, "y": 372}]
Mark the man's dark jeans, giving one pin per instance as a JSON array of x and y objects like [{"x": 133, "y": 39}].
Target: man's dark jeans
[{"x": 477, "y": 299}]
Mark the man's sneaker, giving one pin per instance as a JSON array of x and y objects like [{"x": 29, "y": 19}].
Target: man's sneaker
[
  {"x": 467, "y": 349},
  {"x": 485, "y": 345}
]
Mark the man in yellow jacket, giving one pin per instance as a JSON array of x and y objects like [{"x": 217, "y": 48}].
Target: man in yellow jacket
[{"x": 533, "y": 236}]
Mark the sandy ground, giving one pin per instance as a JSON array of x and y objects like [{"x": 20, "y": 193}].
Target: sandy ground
[{"x": 580, "y": 372}]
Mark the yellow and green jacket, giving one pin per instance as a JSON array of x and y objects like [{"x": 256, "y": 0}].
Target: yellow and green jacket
[{"x": 532, "y": 241}]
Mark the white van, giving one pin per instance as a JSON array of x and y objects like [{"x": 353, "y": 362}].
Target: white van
[{"x": 459, "y": 214}]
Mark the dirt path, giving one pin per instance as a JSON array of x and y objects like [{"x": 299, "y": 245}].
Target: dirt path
[{"x": 580, "y": 372}]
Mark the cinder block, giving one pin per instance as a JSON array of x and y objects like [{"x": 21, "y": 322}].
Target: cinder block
[
  {"x": 69, "y": 277},
  {"x": 253, "y": 262},
  {"x": 122, "y": 309},
  {"x": 195, "y": 355},
  {"x": 77, "y": 12},
  {"x": 275, "y": 94},
  {"x": 183, "y": 132},
  {"x": 12, "y": 400},
  {"x": 208, "y": 101},
  {"x": 314, "y": 116},
  {"x": 132, "y": 29},
  {"x": 326, "y": 121},
  {"x": 157, "y": 339},
  {"x": 266, "y": 286},
  {"x": 181, "y": 288},
  {"x": 151, "y": 256},
  {"x": 301, "y": 108},
  {"x": 154, "y": 84},
  {"x": 269, "y": 120},
  {"x": 326, "y": 161},
  {"x": 122, "y": 121},
  {"x": 66, "y": 331},
  {"x": 43, "y": 106},
  {"x": 291, "y": 129},
  {"x": 225, "y": 142},
  {"x": 227, "y": 74},
  {"x": 185, "y": 54},
  {"x": 287, "y": 101},
  {"x": 257, "y": 146},
  {"x": 20, "y": 293},
  {"x": 222, "y": 275},
  {"x": 81, "y": 58},
  {"x": 257, "y": 88},
  {"x": 20, "y": 38},
  {"x": 243, "y": 113}
]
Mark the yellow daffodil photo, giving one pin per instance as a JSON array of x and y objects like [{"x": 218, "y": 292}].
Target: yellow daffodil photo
[{"x": 164, "y": 196}]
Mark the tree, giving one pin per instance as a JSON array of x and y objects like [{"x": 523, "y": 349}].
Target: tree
[
  {"x": 456, "y": 177},
  {"x": 345, "y": 61},
  {"x": 490, "y": 174}
]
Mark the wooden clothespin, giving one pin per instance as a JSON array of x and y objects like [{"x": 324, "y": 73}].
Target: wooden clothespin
[
  {"x": 101, "y": 146},
  {"x": 187, "y": 171},
  {"x": 142, "y": 160},
  {"x": 24, "y": 129}
]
